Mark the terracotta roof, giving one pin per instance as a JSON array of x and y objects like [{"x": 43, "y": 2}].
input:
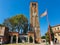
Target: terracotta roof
[
  {"x": 56, "y": 26},
  {"x": 22, "y": 34},
  {"x": 3, "y": 26},
  {"x": 13, "y": 32}
]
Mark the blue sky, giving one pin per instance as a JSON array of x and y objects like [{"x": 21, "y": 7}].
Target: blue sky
[{"x": 9, "y": 8}]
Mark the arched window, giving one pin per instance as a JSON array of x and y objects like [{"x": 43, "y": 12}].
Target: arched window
[
  {"x": 30, "y": 39},
  {"x": 58, "y": 28}
]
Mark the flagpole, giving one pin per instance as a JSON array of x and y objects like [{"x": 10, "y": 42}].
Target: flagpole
[
  {"x": 49, "y": 30},
  {"x": 48, "y": 27},
  {"x": 45, "y": 14},
  {"x": 48, "y": 20}
]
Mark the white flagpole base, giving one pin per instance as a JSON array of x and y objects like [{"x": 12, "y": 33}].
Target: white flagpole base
[{"x": 52, "y": 43}]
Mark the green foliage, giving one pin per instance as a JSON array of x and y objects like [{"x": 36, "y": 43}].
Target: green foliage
[
  {"x": 47, "y": 34},
  {"x": 10, "y": 24},
  {"x": 17, "y": 22},
  {"x": 43, "y": 37},
  {"x": 47, "y": 37}
]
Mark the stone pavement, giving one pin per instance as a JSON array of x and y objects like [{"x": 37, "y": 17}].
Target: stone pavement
[
  {"x": 56, "y": 44},
  {"x": 45, "y": 44},
  {"x": 29, "y": 44},
  {"x": 41, "y": 44}
]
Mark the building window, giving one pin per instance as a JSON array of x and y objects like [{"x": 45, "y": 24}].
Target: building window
[
  {"x": 58, "y": 28},
  {"x": 34, "y": 4},
  {"x": 0, "y": 39},
  {"x": 55, "y": 28}
]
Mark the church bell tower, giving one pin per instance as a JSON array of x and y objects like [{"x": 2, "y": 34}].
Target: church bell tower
[{"x": 34, "y": 21}]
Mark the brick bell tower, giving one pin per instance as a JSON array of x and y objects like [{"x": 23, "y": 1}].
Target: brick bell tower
[{"x": 34, "y": 21}]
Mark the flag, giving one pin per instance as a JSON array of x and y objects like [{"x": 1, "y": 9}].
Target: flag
[{"x": 44, "y": 14}]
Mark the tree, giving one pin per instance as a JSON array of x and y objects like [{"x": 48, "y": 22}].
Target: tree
[
  {"x": 49, "y": 33},
  {"x": 21, "y": 23},
  {"x": 10, "y": 24},
  {"x": 47, "y": 37},
  {"x": 52, "y": 34},
  {"x": 43, "y": 37},
  {"x": 16, "y": 23}
]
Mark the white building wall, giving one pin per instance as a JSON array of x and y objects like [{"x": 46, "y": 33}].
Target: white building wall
[{"x": 56, "y": 28}]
